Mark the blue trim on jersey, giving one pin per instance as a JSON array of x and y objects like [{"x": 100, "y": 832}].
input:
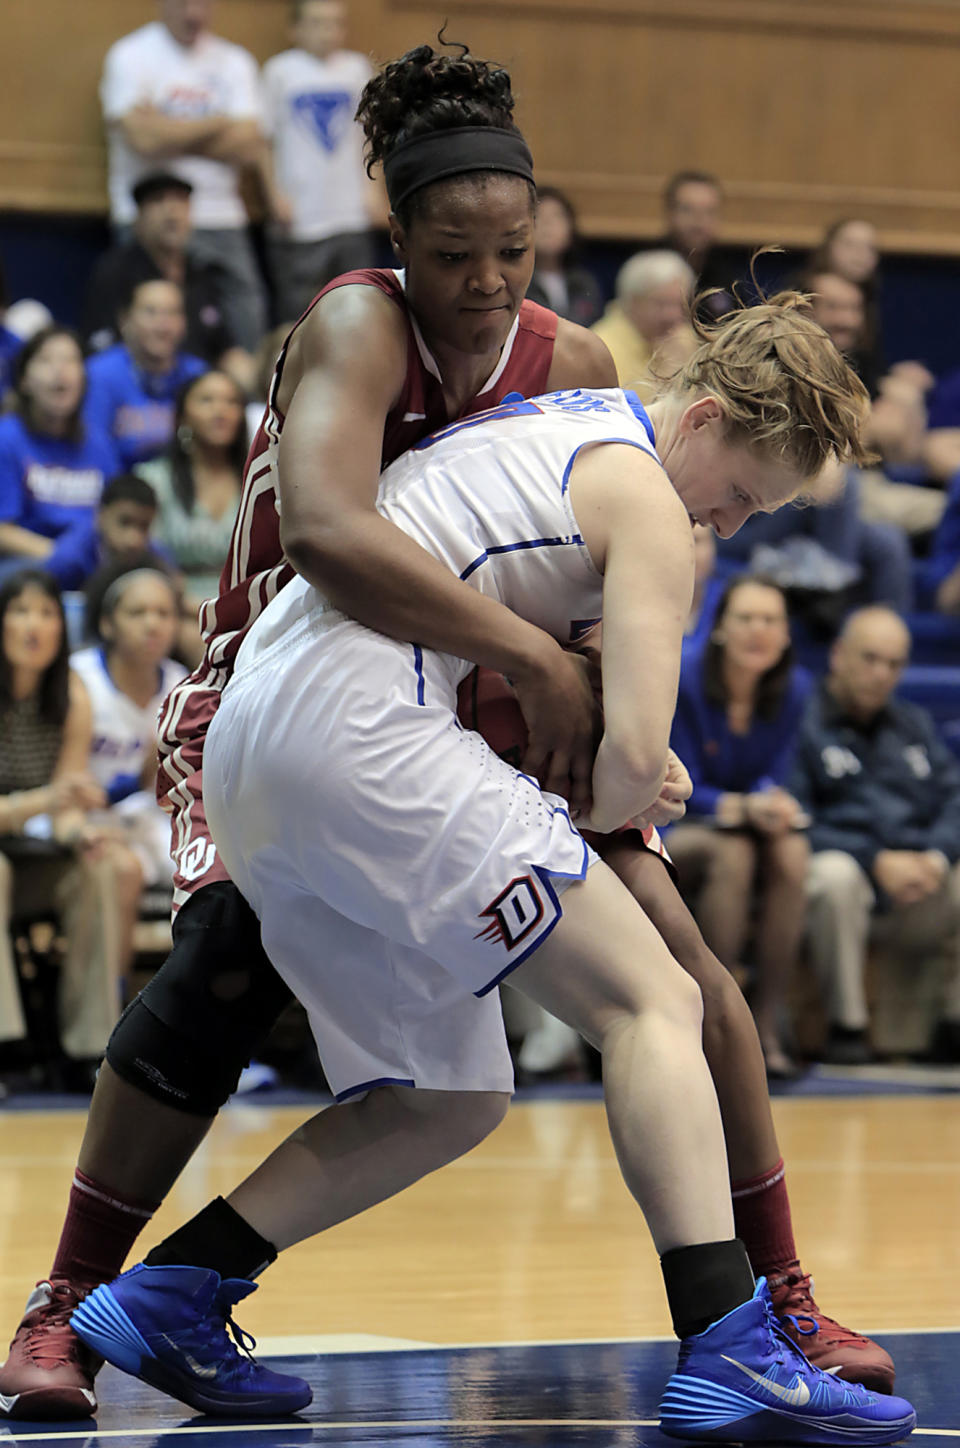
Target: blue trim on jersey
[
  {"x": 593, "y": 442},
  {"x": 515, "y": 547},
  {"x": 372, "y": 1085},
  {"x": 418, "y": 665},
  {"x": 543, "y": 875},
  {"x": 639, "y": 411}
]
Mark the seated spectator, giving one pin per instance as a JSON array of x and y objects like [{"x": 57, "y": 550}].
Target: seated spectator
[
  {"x": 52, "y": 852},
  {"x": 883, "y": 794},
  {"x": 942, "y": 571},
  {"x": 558, "y": 282},
  {"x": 742, "y": 849},
  {"x": 326, "y": 204},
  {"x": 197, "y": 483},
  {"x": 132, "y": 387},
  {"x": 649, "y": 315},
  {"x": 828, "y": 554},
  {"x": 118, "y": 531},
  {"x": 158, "y": 250},
  {"x": 53, "y": 463},
  {"x": 693, "y": 211},
  {"x": 128, "y": 674},
  {"x": 10, "y": 343},
  {"x": 849, "y": 250},
  {"x": 707, "y": 588}
]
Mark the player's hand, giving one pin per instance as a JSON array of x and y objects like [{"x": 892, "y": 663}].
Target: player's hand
[
  {"x": 671, "y": 803},
  {"x": 564, "y": 726}
]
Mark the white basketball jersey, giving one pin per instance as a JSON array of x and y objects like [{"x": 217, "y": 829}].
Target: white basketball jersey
[
  {"x": 488, "y": 496},
  {"x": 123, "y": 733}
]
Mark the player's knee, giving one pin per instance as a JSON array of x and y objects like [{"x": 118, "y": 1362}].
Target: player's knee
[
  {"x": 168, "y": 1066},
  {"x": 456, "y": 1121}
]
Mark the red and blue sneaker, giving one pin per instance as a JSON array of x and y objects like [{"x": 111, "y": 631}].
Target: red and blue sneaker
[
  {"x": 743, "y": 1380},
  {"x": 169, "y": 1327}
]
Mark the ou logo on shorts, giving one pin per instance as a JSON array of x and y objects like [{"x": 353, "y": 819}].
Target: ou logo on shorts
[
  {"x": 515, "y": 912},
  {"x": 197, "y": 859}
]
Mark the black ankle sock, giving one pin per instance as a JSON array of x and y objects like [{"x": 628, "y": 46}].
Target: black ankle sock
[
  {"x": 705, "y": 1282},
  {"x": 216, "y": 1238}
]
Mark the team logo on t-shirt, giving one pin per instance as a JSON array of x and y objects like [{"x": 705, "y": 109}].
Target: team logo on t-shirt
[
  {"x": 516, "y": 911},
  {"x": 327, "y": 115}
]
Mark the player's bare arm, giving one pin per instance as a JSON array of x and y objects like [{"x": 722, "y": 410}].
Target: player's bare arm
[
  {"x": 638, "y": 534},
  {"x": 580, "y": 359},
  {"x": 345, "y": 374}
]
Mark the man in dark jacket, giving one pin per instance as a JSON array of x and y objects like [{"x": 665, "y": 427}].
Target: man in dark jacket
[{"x": 883, "y": 793}]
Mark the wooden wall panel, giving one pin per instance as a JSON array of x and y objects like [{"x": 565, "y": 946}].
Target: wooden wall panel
[{"x": 807, "y": 109}]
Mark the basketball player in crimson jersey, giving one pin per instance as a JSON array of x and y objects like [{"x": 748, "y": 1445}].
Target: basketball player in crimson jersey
[{"x": 376, "y": 363}]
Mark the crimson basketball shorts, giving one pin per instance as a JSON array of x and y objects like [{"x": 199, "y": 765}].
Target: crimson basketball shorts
[{"x": 399, "y": 868}]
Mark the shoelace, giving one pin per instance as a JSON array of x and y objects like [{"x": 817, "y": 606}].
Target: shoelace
[
  {"x": 214, "y": 1343},
  {"x": 788, "y": 1354},
  {"x": 50, "y": 1341},
  {"x": 800, "y": 1295}
]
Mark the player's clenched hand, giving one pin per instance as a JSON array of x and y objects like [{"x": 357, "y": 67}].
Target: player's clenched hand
[
  {"x": 671, "y": 803},
  {"x": 564, "y": 724}
]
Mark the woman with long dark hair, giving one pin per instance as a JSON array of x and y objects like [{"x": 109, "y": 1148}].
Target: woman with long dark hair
[
  {"x": 738, "y": 709},
  {"x": 53, "y": 464},
  {"x": 51, "y": 852},
  {"x": 198, "y": 481}
]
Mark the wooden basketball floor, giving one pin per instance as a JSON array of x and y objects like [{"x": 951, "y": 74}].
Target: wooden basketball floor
[{"x": 529, "y": 1258}]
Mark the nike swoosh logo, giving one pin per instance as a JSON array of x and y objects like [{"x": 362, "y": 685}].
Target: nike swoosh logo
[
  {"x": 796, "y": 1397},
  {"x": 190, "y": 1360}
]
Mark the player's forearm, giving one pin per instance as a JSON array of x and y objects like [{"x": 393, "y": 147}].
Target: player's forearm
[
  {"x": 378, "y": 575},
  {"x": 626, "y": 781},
  {"x": 22, "y": 543}
]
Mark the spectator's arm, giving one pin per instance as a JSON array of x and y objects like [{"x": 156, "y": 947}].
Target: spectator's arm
[
  {"x": 21, "y": 543},
  {"x": 944, "y": 833},
  {"x": 943, "y": 566},
  {"x": 157, "y": 136},
  {"x": 78, "y": 791}
]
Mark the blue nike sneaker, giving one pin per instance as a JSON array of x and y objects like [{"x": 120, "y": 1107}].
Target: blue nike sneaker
[
  {"x": 168, "y": 1326},
  {"x": 743, "y": 1380}
]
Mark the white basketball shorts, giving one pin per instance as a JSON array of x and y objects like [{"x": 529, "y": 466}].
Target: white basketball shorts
[{"x": 399, "y": 868}]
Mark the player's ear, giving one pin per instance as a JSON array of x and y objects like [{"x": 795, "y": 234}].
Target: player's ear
[{"x": 398, "y": 238}]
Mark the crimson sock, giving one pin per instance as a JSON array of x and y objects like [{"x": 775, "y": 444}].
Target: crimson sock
[
  {"x": 761, "y": 1214},
  {"x": 98, "y": 1231}
]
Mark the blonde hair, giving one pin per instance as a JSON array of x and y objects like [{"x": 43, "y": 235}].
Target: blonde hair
[{"x": 783, "y": 386}]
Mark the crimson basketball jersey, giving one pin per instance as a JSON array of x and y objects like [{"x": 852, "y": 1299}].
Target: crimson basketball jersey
[{"x": 256, "y": 569}]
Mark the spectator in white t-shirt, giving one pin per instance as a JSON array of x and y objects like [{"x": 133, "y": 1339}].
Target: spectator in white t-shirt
[
  {"x": 311, "y": 95},
  {"x": 174, "y": 93}
]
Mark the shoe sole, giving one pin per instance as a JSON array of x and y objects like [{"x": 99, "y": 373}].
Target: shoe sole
[
  {"x": 102, "y": 1324},
  {"x": 705, "y": 1412},
  {"x": 48, "y": 1405}
]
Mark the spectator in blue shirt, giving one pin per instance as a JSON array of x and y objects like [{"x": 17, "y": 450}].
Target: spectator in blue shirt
[
  {"x": 883, "y": 793},
  {"x": 942, "y": 568},
  {"x": 119, "y": 529},
  {"x": 742, "y": 845},
  {"x": 53, "y": 464},
  {"x": 132, "y": 387}
]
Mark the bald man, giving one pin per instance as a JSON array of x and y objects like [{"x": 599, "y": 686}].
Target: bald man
[{"x": 883, "y": 792}]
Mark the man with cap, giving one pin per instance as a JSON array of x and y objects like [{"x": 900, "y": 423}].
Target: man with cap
[{"x": 158, "y": 250}]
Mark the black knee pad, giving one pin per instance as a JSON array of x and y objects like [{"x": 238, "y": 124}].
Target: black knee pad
[{"x": 190, "y": 1032}]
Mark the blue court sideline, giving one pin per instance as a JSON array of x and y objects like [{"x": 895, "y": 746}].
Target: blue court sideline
[{"x": 571, "y": 1395}]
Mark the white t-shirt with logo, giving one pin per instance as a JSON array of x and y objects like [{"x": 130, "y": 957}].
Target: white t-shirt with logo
[
  {"x": 317, "y": 145},
  {"x": 213, "y": 77}
]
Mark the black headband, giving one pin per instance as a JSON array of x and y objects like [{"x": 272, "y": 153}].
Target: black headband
[{"x": 437, "y": 154}]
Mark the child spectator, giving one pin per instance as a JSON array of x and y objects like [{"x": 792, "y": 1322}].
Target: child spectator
[
  {"x": 52, "y": 853},
  {"x": 132, "y": 387},
  {"x": 53, "y": 463},
  {"x": 127, "y": 675},
  {"x": 118, "y": 531},
  {"x": 197, "y": 483},
  {"x": 738, "y": 710},
  {"x": 311, "y": 94},
  {"x": 558, "y": 282}
]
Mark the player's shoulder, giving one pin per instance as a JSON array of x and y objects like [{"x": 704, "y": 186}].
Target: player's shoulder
[
  {"x": 580, "y": 359},
  {"x": 365, "y": 310}
]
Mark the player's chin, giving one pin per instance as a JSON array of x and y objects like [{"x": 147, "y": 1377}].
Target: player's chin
[{"x": 487, "y": 330}]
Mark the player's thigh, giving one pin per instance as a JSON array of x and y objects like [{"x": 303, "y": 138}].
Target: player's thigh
[{"x": 605, "y": 961}]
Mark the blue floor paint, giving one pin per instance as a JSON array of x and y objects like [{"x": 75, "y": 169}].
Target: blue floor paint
[{"x": 585, "y": 1395}]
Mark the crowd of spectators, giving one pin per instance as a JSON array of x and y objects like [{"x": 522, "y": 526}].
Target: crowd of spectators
[{"x": 824, "y": 815}]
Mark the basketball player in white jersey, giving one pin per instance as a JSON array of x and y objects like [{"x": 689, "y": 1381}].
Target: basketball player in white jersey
[{"x": 400, "y": 870}]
